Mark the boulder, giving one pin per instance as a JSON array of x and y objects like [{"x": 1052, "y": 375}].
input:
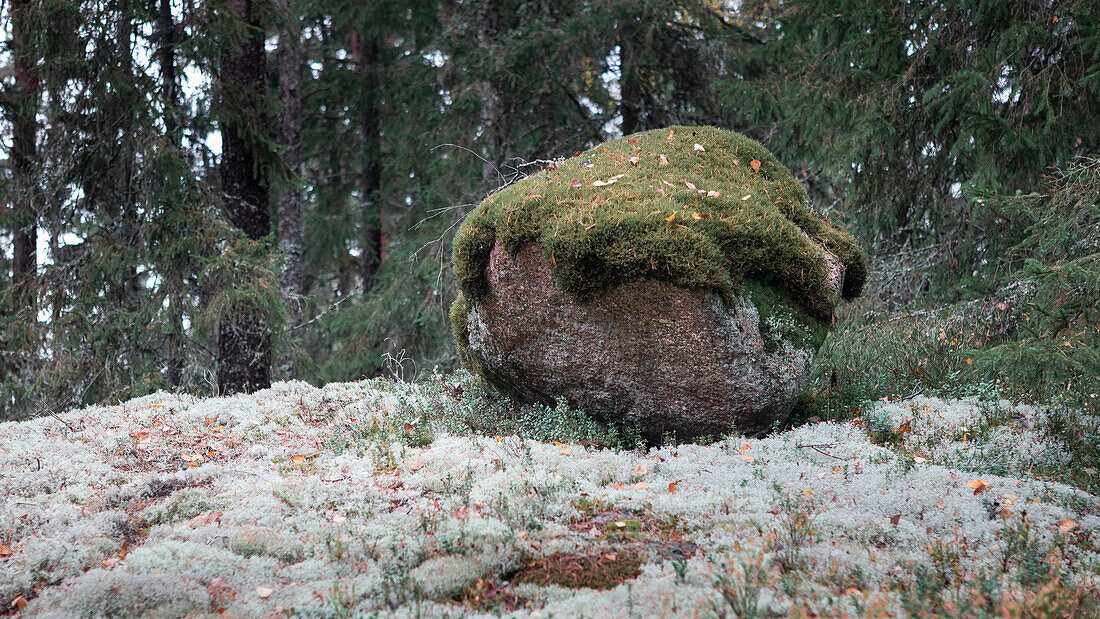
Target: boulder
[{"x": 675, "y": 281}]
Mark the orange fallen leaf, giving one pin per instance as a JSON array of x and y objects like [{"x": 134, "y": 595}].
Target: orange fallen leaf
[
  {"x": 641, "y": 486},
  {"x": 641, "y": 469},
  {"x": 744, "y": 448},
  {"x": 264, "y": 592},
  {"x": 698, "y": 216},
  {"x": 5, "y": 551},
  {"x": 110, "y": 563},
  {"x": 1067, "y": 525},
  {"x": 565, "y": 451},
  {"x": 672, "y": 485},
  {"x": 297, "y": 458},
  {"x": 837, "y": 469},
  {"x": 808, "y": 492},
  {"x": 19, "y": 603},
  {"x": 749, "y": 458},
  {"x": 670, "y": 217},
  {"x": 671, "y": 132},
  {"x": 755, "y": 163},
  {"x": 978, "y": 485}
]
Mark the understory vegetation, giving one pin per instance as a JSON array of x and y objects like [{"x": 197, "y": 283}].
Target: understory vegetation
[{"x": 439, "y": 498}]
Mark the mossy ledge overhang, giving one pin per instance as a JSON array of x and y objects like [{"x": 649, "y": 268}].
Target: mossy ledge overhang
[{"x": 699, "y": 207}]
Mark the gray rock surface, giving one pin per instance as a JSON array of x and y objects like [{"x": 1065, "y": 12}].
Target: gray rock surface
[{"x": 657, "y": 357}]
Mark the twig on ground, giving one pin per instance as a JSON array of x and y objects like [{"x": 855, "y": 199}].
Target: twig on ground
[{"x": 819, "y": 447}]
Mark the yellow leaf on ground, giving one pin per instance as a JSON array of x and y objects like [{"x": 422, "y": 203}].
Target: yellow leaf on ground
[
  {"x": 978, "y": 485},
  {"x": 670, "y": 217}
]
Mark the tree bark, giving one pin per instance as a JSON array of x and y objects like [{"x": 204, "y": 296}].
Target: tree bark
[
  {"x": 291, "y": 201},
  {"x": 23, "y": 153},
  {"x": 244, "y": 340},
  {"x": 365, "y": 52},
  {"x": 490, "y": 98},
  {"x": 166, "y": 55}
]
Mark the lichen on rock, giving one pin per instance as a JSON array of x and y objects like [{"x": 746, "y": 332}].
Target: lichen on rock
[{"x": 709, "y": 211}]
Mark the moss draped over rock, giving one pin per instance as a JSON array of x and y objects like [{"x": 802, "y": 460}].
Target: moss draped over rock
[{"x": 699, "y": 207}]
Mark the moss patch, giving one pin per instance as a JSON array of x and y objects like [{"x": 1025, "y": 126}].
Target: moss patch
[{"x": 699, "y": 207}]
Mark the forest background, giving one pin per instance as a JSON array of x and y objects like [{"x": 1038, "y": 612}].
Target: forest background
[{"x": 208, "y": 196}]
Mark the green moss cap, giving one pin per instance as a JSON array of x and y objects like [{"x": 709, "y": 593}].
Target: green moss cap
[{"x": 699, "y": 207}]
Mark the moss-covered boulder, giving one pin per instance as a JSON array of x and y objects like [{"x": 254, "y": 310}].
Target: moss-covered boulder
[{"x": 676, "y": 280}]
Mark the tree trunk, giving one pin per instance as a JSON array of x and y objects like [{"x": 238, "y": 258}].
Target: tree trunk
[
  {"x": 365, "y": 52},
  {"x": 632, "y": 98},
  {"x": 244, "y": 340},
  {"x": 166, "y": 54},
  {"x": 24, "y": 134},
  {"x": 490, "y": 99},
  {"x": 291, "y": 200}
]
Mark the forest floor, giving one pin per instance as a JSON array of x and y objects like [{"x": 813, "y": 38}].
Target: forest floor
[{"x": 368, "y": 498}]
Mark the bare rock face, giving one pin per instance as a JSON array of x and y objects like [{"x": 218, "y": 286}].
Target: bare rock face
[{"x": 647, "y": 353}]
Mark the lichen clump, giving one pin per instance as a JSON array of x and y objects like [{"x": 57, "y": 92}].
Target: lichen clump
[{"x": 702, "y": 208}]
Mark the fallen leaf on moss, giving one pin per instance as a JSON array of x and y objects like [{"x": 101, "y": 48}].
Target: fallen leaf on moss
[
  {"x": 641, "y": 486},
  {"x": 699, "y": 147},
  {"x": 663, "y": 160},
  {"x": 978, "y": 485},
  {"x": 895, "y": 519},
  {"x": 714, "y": 194},
  {"x": 1067, "y": 525},
  {"x": 634, "y": 160},
  {"x": 698, "y": 216},
  {"x": 755, "y": 163},
  {"x": 264, "y": 592},
  {"x": 746, "y": 197},
  {"x": 670, "y": 217},
  {"x": 415, "y": 465},
  {"x": 690, "y": 185},
  {"x": 19, "y": 603},
  {"x": 297, "y": 458},
  {"x": 575, "y": 183},
  {"x": 671, "y": 132},
  {"x": 672, "y": 485}
]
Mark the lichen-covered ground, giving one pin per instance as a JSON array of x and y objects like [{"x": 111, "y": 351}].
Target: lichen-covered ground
[{"x": 364, "y": 498}]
